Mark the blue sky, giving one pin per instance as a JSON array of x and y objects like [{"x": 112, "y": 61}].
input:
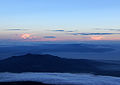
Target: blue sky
[{"x": 38, "y": 18}]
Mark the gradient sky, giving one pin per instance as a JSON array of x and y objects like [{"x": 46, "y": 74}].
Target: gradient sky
[{"x": 59, "y": 20}]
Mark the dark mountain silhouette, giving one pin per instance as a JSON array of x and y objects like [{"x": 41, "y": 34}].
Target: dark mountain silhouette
[
  {"x": 22, "y": 83},
  {"x": 50, "y": 63}
]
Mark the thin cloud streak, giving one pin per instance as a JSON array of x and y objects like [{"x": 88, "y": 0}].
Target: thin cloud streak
[
  {"x": 108, "y": 29},
  {"x": 62, "y": 31},
  {"x": 16, "y": 29},
  {"x": 94, "y": 33},
  {"x": 58, "y": 30},
  {"x": 49, "y": 37}
]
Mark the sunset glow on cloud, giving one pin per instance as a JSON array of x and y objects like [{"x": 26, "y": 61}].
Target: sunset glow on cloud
[
  {"x": 36, "y": 37},
  {"x": 26, "y": 36},
  {"x": 97, "y": 37}
]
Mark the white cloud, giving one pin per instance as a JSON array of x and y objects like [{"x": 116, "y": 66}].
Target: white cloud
[{"x": 61, "y": 78}]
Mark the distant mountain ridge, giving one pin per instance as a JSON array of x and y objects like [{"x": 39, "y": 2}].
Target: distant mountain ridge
[
  {"x": 50, "y": 63},
  {"x": 62, "y": 50}
]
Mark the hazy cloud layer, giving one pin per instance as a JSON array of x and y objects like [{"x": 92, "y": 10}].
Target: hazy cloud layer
[
  {"x": 49, "y": 37},
  {"x": 94, "y": 33}
]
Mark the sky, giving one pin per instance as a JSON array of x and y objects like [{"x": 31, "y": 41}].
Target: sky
[{"x": 59, "y": 20}]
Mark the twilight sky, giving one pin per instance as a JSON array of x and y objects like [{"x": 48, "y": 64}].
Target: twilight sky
[{"x": 59, "y": 20}]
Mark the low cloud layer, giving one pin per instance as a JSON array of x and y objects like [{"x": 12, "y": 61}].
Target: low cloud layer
[{"x": 61, "y": 78}]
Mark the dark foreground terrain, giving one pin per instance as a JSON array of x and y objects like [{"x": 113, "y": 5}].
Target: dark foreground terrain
[
  {"x": 22, "y": 83},
  {"x": 50, "y": 63}
]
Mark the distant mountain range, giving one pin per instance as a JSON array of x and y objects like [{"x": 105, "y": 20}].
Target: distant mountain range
[
  {"x": 50, "y": 63},
  {"x": 76, "y": 51},
  {"x": 84, "y": 48}
]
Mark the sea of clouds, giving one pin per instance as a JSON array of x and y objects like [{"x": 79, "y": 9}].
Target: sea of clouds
[{"x": 61, "y": 78}]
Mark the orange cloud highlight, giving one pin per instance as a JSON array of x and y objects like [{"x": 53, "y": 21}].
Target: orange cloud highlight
[
  {"x": 97, "y": 37},
  {"x": 26, "y": 36}
]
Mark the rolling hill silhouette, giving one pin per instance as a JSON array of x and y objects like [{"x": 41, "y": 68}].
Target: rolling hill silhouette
[{"x": 50, "y": 63}]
